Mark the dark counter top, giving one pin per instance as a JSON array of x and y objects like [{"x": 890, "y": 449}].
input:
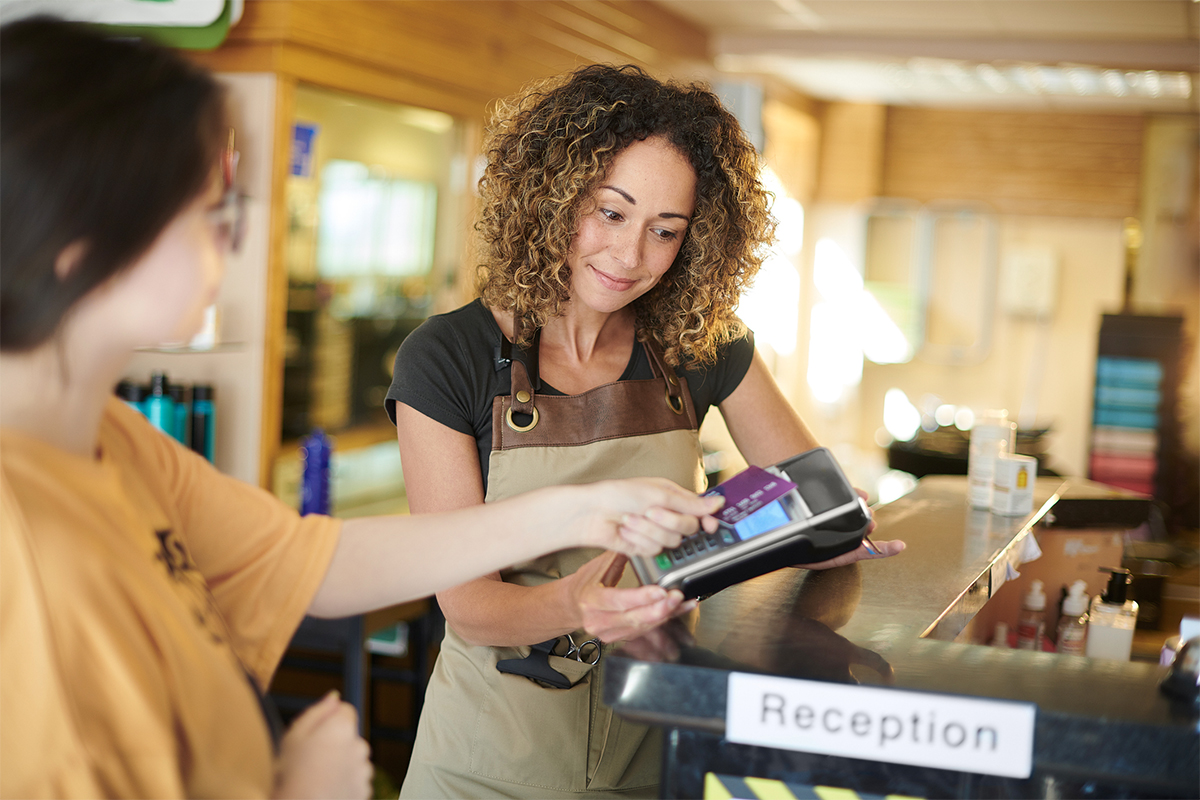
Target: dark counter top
[{"x": 890, "y": 622}]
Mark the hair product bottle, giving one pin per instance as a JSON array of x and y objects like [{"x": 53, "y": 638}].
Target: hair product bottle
[
  {"x": 204, "y": 420},
  {"x": 180, "y": 429},
  {"x": 1031, "y": 625},
  {"x": 991, "y": 435},
  {"x": 1112, "y": 619},
  {"x": 315, "y": 452},
  {"x": 1073, "y": 626},
  {"x": 158, "y": 405}
]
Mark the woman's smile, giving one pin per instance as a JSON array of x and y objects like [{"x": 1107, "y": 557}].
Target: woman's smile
[{"x": 612, "y": 282}]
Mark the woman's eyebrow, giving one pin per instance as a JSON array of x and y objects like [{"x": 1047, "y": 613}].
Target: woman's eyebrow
[{"x": 628, "y": 197}]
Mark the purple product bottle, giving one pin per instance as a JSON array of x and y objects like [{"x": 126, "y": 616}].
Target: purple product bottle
[{"x": 315, "y": 451}]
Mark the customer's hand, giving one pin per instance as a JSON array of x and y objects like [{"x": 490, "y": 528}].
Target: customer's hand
[
  {"x": 639, "y": 516},
  {"x": 323, "y": 756},
  {"x": 613, "y": 614}
]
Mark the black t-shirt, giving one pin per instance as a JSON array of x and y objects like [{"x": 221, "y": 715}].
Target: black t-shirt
[{"x": 450, "y": 369}]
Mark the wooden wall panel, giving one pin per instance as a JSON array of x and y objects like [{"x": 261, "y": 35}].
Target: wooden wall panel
[
  {"x": 452, "y": 55},
  {"x": 852, "y": 140},
  {"x": 1047, "y": 164}
]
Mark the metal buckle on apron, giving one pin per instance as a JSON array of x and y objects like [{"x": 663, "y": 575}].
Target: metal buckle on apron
[
  {"x": 508, "y": 418},
  {"x": 536, "y": 665},
  {"x": 675, "y": 403}
]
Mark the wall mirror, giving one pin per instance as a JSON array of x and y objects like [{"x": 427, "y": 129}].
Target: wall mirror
[
  {"x": 376, "y": 210},
  {"x": 894, "y": 264},
  {"x": 932, "y": 268},
  {"x": 960, "y": 284}
]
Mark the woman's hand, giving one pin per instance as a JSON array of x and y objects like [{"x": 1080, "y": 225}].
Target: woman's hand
[
  {"x": 860, "y": 553},
  {"x": 639, "y": 516},
  {"x": 865, "y": 551},
  {"x": 611, "y": 614},
  {"x": 323, "y": 756}
]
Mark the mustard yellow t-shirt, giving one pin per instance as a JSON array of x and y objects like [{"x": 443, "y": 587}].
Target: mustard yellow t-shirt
[{"x": 140, "y": 592}]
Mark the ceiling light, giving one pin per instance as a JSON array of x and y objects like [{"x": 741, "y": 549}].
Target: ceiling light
[
  {"x": 1050, "y": 80},
  {"x": 901, "y": 77},
  {"x": 1152, "y": 83},
  {"x": 992, "y": 77},
  {"x": 1020, "y": 77},
  {"x": 1083, "y": 80},
  {"x": 1183, "y": 84},
  {"x": 1114, "y": 83}
]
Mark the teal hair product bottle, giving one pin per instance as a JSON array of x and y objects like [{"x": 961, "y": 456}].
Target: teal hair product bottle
[
  {"x": 204, "y": 420},
  {"x": 180, "y": 430},
  {"x": 159, "y": 407}
]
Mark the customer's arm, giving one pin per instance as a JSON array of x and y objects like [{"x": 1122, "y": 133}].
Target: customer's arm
[
  {"x": 382, "y": 561},
  {"x": 442, "y": 473}
]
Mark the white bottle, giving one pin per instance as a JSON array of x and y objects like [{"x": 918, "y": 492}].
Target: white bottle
[
  {"x": 1112, "y": 619},
  {"x": 1012, "y": 485},
  {"x": 1000, "y": 635},
  {"x": 1031, "y": 625},
  {"x": 1073, "y": 627},
  {"x": 991, "y": 435}
]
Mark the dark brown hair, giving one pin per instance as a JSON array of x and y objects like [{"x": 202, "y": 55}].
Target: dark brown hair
[{"x": 103, "y": 142}]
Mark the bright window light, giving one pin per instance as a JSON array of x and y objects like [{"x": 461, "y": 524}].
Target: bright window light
[
  {"x": 788, "y": 213},
  {"x": 836, "y": 278},
  {"x": 771, "y": 307},
  {"x": 883, "y": 341},
  {"x": 900, "y": 416},
  {"x": 848, "y": 324},
  {"x": 834, "y": 353}
]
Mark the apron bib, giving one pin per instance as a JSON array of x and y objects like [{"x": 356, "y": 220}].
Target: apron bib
[{"x": 487, "y": 733}]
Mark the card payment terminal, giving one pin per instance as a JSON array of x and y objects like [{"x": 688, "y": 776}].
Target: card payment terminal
[{"x": 799, "y": 511}]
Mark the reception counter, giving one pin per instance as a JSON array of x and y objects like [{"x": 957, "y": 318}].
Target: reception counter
[{"x": 1097, "y": 728}]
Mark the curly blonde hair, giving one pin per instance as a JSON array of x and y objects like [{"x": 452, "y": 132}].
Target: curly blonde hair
[{"x": 551, "y": 145}]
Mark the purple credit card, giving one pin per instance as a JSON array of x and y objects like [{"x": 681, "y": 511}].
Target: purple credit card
[{"x": 748, "y": 491}]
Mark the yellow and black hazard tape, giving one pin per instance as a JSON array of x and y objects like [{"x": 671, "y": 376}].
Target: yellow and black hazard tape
[{"x": 728, "y": 787}]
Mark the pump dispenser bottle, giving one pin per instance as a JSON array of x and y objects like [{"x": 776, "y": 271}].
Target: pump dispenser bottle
[
  {"x": 1072, "y": 628},
  {"x": 1031, "y": 625},
  {"x": 1112, "y": 619}
]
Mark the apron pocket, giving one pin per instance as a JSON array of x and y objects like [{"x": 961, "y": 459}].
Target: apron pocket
[{"x": 531, "y": 735}]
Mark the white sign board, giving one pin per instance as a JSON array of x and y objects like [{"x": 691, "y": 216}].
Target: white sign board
[{"x": 988, "y": 737}]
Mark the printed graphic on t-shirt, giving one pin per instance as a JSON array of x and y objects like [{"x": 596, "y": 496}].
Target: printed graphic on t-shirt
[{"x": 174, "y": 555}]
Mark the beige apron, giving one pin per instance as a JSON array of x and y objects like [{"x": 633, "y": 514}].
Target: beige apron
[{"x": 484, "y": 733}]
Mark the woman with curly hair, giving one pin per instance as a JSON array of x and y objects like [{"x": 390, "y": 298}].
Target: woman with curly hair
[{"x": 621, "y": 218}]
